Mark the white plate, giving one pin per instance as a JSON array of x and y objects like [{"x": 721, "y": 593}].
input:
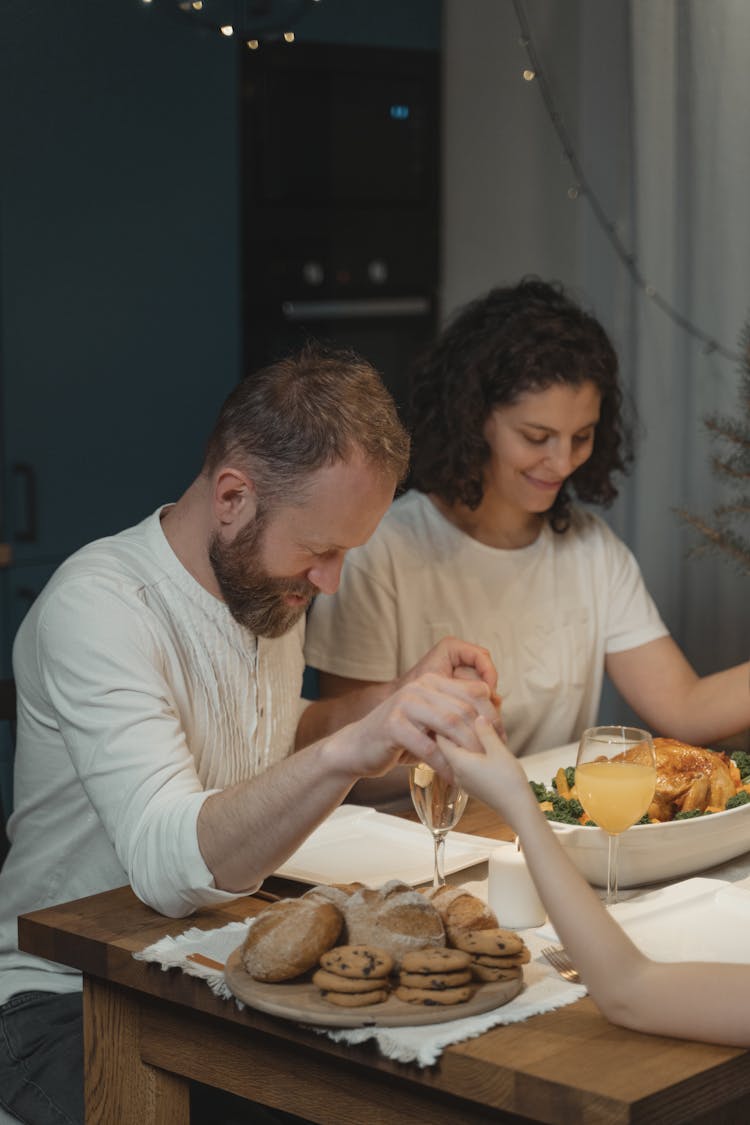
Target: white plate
[
  {"x": 356, "y": 844},
  {"x": 695, "y": 920},
  {"x": 649, "y": 853}
]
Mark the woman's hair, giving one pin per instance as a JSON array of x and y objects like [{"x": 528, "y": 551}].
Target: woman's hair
[
  {"x": 514, "y": 340},
  {"x": 306, "y": 411}
]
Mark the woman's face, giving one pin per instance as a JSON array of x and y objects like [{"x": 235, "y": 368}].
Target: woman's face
[{"x": 537, "y": 442}]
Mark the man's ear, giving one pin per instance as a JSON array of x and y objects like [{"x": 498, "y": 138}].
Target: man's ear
[{"x": 234, "y": 497}]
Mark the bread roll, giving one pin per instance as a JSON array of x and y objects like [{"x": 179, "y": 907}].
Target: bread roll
[
  {"x": 289, "y": 937},
  {"x": 337, "y": 893},
  {"x": 460, "y": 910},
  {"x": 393, "y": 917}
]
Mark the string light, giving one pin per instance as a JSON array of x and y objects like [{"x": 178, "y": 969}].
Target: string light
[{"x": 581, "y": 186}]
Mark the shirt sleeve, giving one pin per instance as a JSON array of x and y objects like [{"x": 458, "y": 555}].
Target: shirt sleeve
[
  {"x": 100, "y": 664},
  {"x": 632, "y": 616}
]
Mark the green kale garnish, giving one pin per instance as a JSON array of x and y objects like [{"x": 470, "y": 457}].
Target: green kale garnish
[{"x": 540, "y": 791}]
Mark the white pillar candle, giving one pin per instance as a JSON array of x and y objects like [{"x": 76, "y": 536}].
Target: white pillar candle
[{"x": 510, "y": 890}]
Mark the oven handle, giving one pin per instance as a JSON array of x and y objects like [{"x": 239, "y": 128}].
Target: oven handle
[{"x": 349, "y": 310}]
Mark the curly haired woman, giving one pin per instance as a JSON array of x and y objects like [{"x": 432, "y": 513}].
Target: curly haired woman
[{"x": 517, "y": 412}]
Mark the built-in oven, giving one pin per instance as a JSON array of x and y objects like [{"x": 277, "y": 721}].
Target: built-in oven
[{"x": 340, "y": 202}]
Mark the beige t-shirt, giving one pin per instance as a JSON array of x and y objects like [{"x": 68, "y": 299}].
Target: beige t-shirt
[{"x": 548, "y": 613}]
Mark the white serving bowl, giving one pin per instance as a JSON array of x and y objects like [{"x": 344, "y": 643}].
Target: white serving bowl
[{"x": 649, "y": 853}]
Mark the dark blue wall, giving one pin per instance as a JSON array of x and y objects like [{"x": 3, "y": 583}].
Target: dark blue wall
[{"x": 119, "y": 328}]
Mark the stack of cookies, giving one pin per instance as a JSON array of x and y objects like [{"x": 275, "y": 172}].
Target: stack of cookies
[
  {"x": 435, "y": 977},
  {"x": 354, "y": 976},
  {"x": 470, "y": 925},
  {"x": 495, "y": 954}
]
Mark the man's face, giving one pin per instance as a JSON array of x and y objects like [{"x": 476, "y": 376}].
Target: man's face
[
  {"x": 267, "y": 606},
  {"x": 269, "y": 572}
]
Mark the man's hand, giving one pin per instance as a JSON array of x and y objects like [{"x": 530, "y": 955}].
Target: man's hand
[
  {"x": 452, "y": 654},
  {"x": 463, "y": 661},
  {"x": 411, "y": 710},
  {"x": 406, "y": 725}
]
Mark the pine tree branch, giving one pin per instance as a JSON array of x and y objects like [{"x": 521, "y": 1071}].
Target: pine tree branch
[
  {"x": 730, "y": 469},
  {"x": 719, "y": 539},
  {"x": 728, "y": 429},
  {"x": 718, "y": 533},
  {"x": 740, "y": 507}
]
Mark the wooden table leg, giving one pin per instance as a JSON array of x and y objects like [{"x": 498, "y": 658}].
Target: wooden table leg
[{"x": 118, "y": 1085}]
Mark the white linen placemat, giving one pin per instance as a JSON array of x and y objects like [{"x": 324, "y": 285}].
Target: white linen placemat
[
  {"x": 698, "y": 919},
  {"x": 543, "y": 991}
]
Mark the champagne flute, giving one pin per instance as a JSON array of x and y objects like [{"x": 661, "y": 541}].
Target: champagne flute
[
  {"x": 439, "y": 806},
  {"x": 615, "y": 783}
]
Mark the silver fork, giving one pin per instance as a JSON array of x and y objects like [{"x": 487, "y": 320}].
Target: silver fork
[{"x": 560, "y": 961}]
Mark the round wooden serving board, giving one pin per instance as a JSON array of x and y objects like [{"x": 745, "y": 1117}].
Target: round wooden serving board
[{"x": 301, "y": 1001}]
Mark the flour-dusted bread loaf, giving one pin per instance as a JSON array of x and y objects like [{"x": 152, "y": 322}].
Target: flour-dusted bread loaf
[
  {"x": 393, "y": 917},
  {"x": 461, "y": 911},
  {"x": 337, "y": 893},
  {"x": 290, "y": 936}
]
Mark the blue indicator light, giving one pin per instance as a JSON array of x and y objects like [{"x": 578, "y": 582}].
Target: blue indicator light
[{"x": 399, "y": 112}]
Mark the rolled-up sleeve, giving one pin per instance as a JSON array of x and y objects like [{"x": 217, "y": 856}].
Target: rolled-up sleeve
[{"x": 104, "y": 675}]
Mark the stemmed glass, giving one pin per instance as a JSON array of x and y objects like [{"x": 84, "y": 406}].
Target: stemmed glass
[
  {"x": 615, "y": 783},
  {"x": 440, "y": 807}
]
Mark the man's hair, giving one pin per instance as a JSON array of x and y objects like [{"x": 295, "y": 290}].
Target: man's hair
[
  {"x": 306, "y": 411},
  {"x": 514, "y": 340}
]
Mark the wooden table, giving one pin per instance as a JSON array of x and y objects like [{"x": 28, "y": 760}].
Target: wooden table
[{"x": 148, "y": 1032}]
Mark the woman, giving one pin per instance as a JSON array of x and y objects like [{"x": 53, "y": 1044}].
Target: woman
[
  {"x": 689, "y": 1000},
  {"x": 517, "y": 410}
]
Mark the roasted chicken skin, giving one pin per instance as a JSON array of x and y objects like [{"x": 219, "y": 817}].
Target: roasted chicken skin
[{"x": 687, "y": 777}]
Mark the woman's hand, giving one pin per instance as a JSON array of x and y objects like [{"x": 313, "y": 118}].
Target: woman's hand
[
  {"x": 450, "y": 655},
  {"x": 465, "y": 673},
  {"x": 460, "y": 660}
]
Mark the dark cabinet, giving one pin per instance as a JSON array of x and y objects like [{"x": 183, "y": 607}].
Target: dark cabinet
[{"x": 119, "y": 310}]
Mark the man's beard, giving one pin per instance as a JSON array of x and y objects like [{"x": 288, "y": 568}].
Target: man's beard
[{"x": 253, "y": 597}]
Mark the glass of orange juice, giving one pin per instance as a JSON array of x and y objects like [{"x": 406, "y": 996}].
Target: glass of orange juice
[{"x": 615, "y": 783}]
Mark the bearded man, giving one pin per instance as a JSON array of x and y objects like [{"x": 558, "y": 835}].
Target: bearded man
[{"x": 162, "y": 739}]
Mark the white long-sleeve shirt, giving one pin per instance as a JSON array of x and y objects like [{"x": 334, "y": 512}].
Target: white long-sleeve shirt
[{"x": 138, "y": 696}]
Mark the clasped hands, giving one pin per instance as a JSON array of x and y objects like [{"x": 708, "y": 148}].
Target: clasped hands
[{"x": 440, "y": 698}]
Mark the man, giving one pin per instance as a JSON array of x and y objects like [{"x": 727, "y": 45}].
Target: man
[{"x": 159, "y": 676}]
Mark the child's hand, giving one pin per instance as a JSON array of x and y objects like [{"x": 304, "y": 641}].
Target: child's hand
[{"x": 494, "y": 775}]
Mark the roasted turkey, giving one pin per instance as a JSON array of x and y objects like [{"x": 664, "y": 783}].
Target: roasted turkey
[{"x": 687, "y": 777}]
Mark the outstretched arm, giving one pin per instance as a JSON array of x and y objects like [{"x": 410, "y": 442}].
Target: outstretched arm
[
  {"x": 659, "y": 683},
  {"x": 710, "y": 1002}
]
